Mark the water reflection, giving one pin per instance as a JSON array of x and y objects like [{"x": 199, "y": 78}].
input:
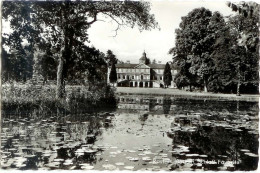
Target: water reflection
[{"x": 158, "y": 133}]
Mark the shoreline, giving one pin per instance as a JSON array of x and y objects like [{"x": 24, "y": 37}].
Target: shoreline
[{"x": 185, "y": 94}]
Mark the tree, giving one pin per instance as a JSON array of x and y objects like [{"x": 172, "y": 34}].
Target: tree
[
  {"x": 113, "y": 74},
  {"x": 193, "y": 46},
  {"x": 147, "y": 61},
  {"x": 64, "y": 26},
  {"x": 250, "y": 11},
  {"x": 247, "y": 55},
  {"x": 111, "y": 58},
  {"x": 167, "y": 75}
]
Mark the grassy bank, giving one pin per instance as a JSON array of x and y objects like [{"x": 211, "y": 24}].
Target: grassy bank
[
  {"x": 184, "y": 94},
  {"x": 40, "y": 99}
]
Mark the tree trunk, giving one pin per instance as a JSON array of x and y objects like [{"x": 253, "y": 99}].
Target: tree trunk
[
  {"x": 60, "y": 88},
  {"x": 205, "y": 86},
  {"x": 238, "y": 82},
  {"x": 238, "y": 88}
]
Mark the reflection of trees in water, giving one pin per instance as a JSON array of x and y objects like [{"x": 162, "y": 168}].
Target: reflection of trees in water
[
  {"x": 143, "y": 118},
  {"x": 186, "y": 105},
  {"x": 167, "y": 102},
  {"x": 213, "y": 106},
  {"x": 152, "y": 104},
  {"x": 216, "y": 142}
]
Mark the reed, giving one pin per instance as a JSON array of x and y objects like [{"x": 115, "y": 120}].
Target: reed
[{"x": 18, "y": 98}]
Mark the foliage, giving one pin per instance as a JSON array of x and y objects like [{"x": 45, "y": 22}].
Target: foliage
[
  {"x": 113, "y": 74},
  {"x": 250, "y": 12},
  {"x": 194, "y": 41},
  {"x": 147, "y": 61},
  {"x": 111, "y": 58},
  {"x": 210, "y": 53},
  {"x": 167, "y": 75},
  {"x": 17, "y": 97},
  {"x": 17, "y": 64},
  {"x": 64, "y": 24}
]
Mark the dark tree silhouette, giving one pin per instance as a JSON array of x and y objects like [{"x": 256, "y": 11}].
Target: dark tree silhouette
[
  {"x": 113, "y": 75},
  {"x": 167, "y": 75},
  {"x": 111, "y": 58}
]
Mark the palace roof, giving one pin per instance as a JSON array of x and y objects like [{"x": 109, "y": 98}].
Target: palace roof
[{"x": 153, "y": 66}]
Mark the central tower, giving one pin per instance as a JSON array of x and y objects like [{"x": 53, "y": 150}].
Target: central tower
[{"x": 143, "y": 59}]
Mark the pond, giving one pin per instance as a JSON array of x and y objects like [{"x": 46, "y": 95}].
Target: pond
[{"x": 157, "y": 133}]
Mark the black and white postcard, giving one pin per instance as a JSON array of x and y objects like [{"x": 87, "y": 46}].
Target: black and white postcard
[{"x": 129, "y": 85}]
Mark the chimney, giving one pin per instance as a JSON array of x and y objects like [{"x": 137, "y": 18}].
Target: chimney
[
  {"x": 128, "y": 62},
  {"x": 159, "y": 62}
]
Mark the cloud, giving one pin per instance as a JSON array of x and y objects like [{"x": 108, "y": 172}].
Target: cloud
[{"x": 129, "y": 44}]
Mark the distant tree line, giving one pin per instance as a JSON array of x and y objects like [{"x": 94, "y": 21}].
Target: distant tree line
[{"x": 218, "y": 54}]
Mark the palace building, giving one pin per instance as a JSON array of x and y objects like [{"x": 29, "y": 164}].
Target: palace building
[{"x": 142, "y": 75}]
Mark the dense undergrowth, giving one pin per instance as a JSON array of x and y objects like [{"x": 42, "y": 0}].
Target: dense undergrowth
[{"x": 23, "y": 99}]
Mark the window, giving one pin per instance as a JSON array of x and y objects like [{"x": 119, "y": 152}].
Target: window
[
  {"x": 123, "y": 76},
  {"x": 118, "y": 76},
  {"x": 160, "y": 77},
  {"x": 133, "y": 77}
]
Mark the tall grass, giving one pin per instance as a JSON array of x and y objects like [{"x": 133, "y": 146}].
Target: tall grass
[{"x": 40, "y": 100}]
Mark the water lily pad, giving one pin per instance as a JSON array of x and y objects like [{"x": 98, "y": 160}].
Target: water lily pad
[
  {"x": 109, "y": 166},
  {"x": 73, "y": 167},
  {"x": 114, "y": 147},
  {"x": 129, "y": 167},
  {"x": 245, "y": 150},
  {"x": 87, "y": 167},
  {"x": 90, "y": 151},
  {"x": 251, "y": 154},
  {"x": 135, "y": 159},
  {"x": 67, "y": 163},
  {"x": 120, "y": 164},
  {"x": 131, "y": 151},
  {"x": 147, "y": 159}
]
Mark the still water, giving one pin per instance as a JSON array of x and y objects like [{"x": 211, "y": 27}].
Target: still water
[{"x": 158, "y": 133}]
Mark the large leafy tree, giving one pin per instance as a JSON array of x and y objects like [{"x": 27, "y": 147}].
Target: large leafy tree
[
  {"x": 167, "y": 75},
  {"x": 194, "y": 46},
  {"x": 64, "y": 25}
]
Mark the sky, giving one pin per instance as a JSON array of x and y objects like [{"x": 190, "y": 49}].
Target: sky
[{"x": 129, "y": 44}]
